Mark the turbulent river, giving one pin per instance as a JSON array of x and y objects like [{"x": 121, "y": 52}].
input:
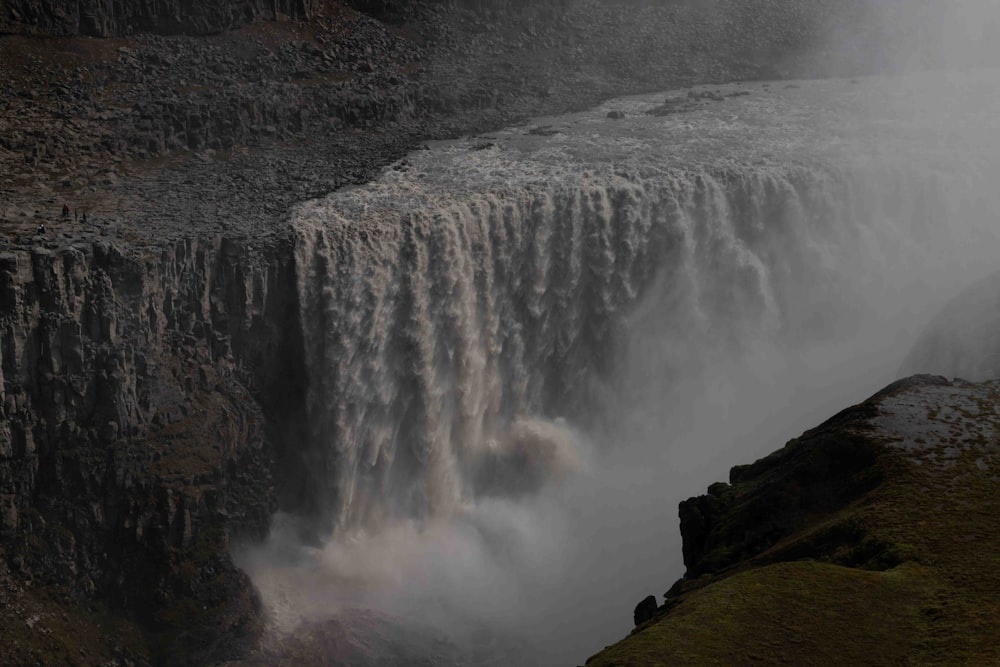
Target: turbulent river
[{"x": 525, "y": 348}]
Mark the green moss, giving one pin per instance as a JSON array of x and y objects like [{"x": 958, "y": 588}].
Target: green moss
[{"x": 801, "y": 613}]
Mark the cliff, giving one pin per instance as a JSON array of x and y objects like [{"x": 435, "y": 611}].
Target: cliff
[
  {"x": 132, "y": 446},
  {"x": 870, "y": 539}
]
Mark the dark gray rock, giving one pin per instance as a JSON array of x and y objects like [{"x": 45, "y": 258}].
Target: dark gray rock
[
  {"x": 108, "y": 18},
  {"x": 645, "y": 610},
  {"x": 129, "y": 464}
]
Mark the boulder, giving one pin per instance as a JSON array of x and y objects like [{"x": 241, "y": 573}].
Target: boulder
[{"x": 645, "y": 610}]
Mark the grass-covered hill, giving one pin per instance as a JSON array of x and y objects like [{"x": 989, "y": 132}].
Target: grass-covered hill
[{"x": 873, "y": 539}]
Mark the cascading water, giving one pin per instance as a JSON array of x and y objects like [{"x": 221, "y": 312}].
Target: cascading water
[
  {"x": 440, "y": 328},
  {"x": 518, "y": 340}
]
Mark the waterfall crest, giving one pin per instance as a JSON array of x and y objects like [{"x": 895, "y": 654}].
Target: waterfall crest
[{"x": 432, "y": 325}]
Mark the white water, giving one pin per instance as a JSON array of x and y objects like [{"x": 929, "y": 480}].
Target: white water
[{"x": 523, "y": 355}]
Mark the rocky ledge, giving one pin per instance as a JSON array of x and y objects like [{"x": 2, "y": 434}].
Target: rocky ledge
[{"x": 871, "y": 539}]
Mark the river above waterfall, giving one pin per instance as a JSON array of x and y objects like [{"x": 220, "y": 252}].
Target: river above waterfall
[
  {"x": 937, "y": 116},
  {"x": 526, "y": 347}
]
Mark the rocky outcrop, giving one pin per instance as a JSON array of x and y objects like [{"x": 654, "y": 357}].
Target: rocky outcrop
[
  {"x": 645, "y": 610},
  {"x": 867, "y": 540},
  {"x": 107, "y": 18},
  {"x": 133, "y": 447},
  {"x": 767, "y": 501}
]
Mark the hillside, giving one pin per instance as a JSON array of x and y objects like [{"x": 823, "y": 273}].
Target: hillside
[{"x": 872, "y": 539}]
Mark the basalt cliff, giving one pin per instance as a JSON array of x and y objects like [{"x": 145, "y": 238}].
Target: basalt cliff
[{"x": 134, "y": 444}]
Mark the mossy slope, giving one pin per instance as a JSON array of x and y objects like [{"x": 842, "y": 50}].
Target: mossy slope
[{"x": 893, "y": 562}]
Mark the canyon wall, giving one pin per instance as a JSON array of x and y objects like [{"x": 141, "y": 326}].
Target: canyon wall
[{"x": 133, "y": 447}]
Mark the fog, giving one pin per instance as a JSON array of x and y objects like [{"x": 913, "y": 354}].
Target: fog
[
  {"x": 551, "y": 578},
  {"x": 912, "y": 35},
  {"x": 551, "y": 575},
  {"x": 967, "y": 30}
]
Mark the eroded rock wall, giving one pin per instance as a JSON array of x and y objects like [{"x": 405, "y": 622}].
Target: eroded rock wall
[{"x": 132, "y": 443}]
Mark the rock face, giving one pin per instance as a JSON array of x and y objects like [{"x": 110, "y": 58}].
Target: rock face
[
  {"x": 107, "y": 18},
  {"x": 775, "y": 497},
  {"x": 645, "y": 610},
  {"x": 870, "y": 539},
  {"x": 132, "y": 448}
]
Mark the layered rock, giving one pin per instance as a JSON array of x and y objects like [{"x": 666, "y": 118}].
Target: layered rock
[{"x": 132, "y": 448}]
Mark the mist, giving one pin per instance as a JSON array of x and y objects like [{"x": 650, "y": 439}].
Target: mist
[
  {"x": 551, "y": 578},
  {"x": 906, "y": 36},
  {"x": 716, "y": 362}
]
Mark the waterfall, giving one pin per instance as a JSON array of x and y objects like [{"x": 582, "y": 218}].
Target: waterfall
[
  {"x": 431, "y": 330},
  {"x": 524, "y": 349}
]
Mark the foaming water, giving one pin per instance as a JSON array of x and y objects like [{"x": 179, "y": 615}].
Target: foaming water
[{"x": 525, "y": 349}]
